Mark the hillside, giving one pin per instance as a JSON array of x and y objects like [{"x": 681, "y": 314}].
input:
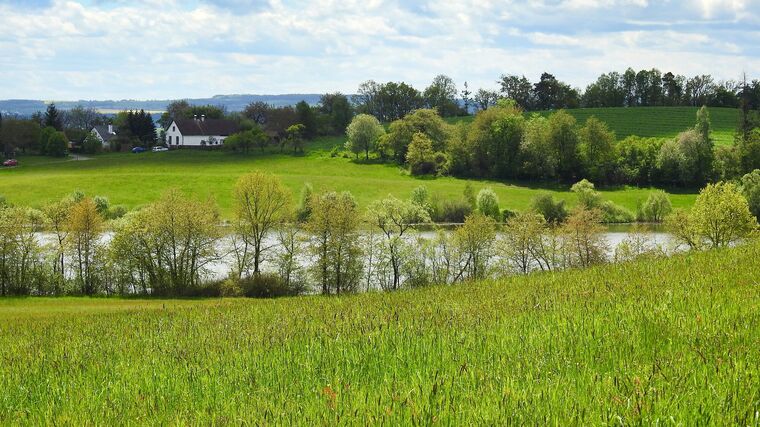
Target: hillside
[
  {"x": 658, "y": 122},
  {"x": 133, "y": 180},
  {"x": 666, "y": 341}
]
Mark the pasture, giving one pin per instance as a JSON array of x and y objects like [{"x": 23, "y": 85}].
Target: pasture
[
  {"x": 133, "y": 180},
  {"x": 657, "y": 341}
]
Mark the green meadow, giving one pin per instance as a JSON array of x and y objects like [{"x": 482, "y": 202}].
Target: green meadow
[{"x": 658, "y": 341}]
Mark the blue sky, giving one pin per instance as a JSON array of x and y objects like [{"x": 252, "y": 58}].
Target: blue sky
[{"x": 158, "y": 49}]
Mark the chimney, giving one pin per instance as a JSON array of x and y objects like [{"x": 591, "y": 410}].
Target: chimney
[
  {"x": 195, "y": 117},
  {"x": 203, "y": 117},
  {"x": 110, "y": 129}
]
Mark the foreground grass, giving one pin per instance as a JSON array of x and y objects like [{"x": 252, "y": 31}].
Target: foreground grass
[{"x": 670, "y": 341}]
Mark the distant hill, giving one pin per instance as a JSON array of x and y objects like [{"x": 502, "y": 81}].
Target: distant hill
[{"x": 26, "y": 107}]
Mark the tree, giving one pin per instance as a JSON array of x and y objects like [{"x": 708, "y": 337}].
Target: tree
[
  {"x": 750, "y": 188},
  {"x": 488, "y": 204},
  {"x": 84, "y": 228},
  {"x": 721, "y": 214},
  {"x": 168, "y": 246},
  {"x": 295, "y": 137},
  {"x": 339, "y": 110},
  {"x": 564, "y": 142},
  {"x": 475, "y": 240},
  {"x": 262, "y": 203},
  {"x": 175, "y": 110},
  {"x": 518, "y": 89},
  {"x": 394, "y": 217},
  {"x": 656, "y": 207},
  {"x": 57, "y": 145},
  {"x": 53, "y": 118},
  {"x": 442, "y": 96},
  {"x": 466, "y": 100},
  {"x": 21, "y": 135},
  {"x": 495, "y": 136},
  {"x": 82, "y": 119},
  {"x": 583, "y": 241},
  {"x": 244, "y": 141},
  {"x": 307, "y": 118},
  {"x": 425, "y": 121},
  {"x": 333, "y": 224},
  {"x": 20, "y": 251},
  {"x": 484, "y": 99},
  {"x": 363, "y": 133},
  {"x": 597, "y": 149},
  {"x": 522, "y": 240},
  {"x": 92, "y": 144},
  {"x": 421, "y": 157}
]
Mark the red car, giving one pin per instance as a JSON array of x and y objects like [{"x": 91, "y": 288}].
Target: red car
[{"x": 11, "y": 162}]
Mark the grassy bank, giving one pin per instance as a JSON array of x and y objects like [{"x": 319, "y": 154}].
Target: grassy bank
[{"x": 663, "y": 341}]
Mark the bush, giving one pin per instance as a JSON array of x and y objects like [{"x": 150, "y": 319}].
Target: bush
[
  {"x": 554, "y": 212},
  {"x": 451, "y": 211},
  {"x": 612, "y": 213},
  {"x": 507, "y": 214},
  {"x": 265, "y": 285},
  {"x": 655, "y": 208},
  {"x": 488, "y": 204}
]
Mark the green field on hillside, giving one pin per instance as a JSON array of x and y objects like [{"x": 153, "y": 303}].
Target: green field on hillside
[
  {"x": 666, "y": 341},
  {"x": 136, "y": 179},
  {"x": 656, "y": 121}
]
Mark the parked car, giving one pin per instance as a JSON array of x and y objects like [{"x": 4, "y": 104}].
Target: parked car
[
  {"x": 159, "y": 148},
  {"x": 10, "y": 162},
  {"x": 138, "y": 150}
]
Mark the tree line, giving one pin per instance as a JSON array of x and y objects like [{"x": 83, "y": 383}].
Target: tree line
[{"x": 326, "y": 244}]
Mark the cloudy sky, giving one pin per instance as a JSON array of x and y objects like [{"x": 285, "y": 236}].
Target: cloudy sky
[{"x": 158, "y": 49}]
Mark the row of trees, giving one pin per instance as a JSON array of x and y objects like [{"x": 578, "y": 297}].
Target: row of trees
[
  {"x": 502, "y": 142},
  {"x": 274, "y": 248}
]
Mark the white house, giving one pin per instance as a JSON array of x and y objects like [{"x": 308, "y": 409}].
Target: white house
[
  {"x": 104, "y": 133},
  {"x": 199, "y": 132}
]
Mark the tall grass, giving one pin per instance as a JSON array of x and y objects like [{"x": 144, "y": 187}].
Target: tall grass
[{"x": 668, "y": 341}]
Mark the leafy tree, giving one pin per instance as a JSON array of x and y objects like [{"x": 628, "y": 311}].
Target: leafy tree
[
  {"x": 339, "y": 110},
  {"x": 82, "y": 119},
  {"x": 168, "y": 246},
  {"x": 597, "y": 149},
  {"x": 522, "y": 240},
  {"x": 363, "y": 133},
  {"x": 475, "y": 242},
  {"x": 175, "y": 110},
  {"x": 484, "y": 99},
  {"x": 244, "y": 141},
  {"x": 303, "y": 211},
  {"x": 388, "y": 101},
  {"x": 420, "y": 156},
  {"x": 21, "y": 135},
  {"x": 442, "y": 96},
  {"x": 20, "y": 251},
  {"x": 550, "y": 94},
  {"x": 537, "y": 156},
  {"x": 262, "y": 203},
  {"x": 564, "y": 142},
  {"x": 53, "y": 118},
  {"x": 307, "y": 118},
  {"x": 721, "y": 214},
  {"x": 295, "y": 137},
  {"x": 84, "y": 227},
  {"x": 57, "y": 145},
  {"x": 583, "y": 242},
  {"x": 518, "y": 89},
  {"x": 495, "y": 136},
  {"x": 750, "y": 188},
  {"x": 394, "y": 217},
  {"x": 488, "y": 204},
  {"x": 92, "y": 144},
  {"x": 656, "y": 207},
  {"x": 636, "y": 161},
  {"x": 749, "y": 151},
  {"x": 333, "y": 226},
  {"x": 257, "y": 111}
]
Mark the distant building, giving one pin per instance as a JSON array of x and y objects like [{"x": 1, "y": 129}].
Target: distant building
[
  {"x": 104, "y": 133},
  {"x": 199, "y": 132}
]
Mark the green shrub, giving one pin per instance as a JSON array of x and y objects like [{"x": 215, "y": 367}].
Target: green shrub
[
  {"x": 488, "y": 204},
  {"x": 655, "y": 208},
  {"x": 265, "y": 285},
  {"x": 554, "y": 212}
]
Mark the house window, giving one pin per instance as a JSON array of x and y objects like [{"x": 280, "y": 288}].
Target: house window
[{"x": 174, "y": 128}]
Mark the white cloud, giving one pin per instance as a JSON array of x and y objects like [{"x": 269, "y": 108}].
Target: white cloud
[{"x": 165, "y": 49}]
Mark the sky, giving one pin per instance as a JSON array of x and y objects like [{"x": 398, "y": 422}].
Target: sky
[{"x": 169, "y": 49}]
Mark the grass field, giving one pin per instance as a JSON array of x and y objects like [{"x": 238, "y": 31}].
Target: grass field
[
  {"x": 670, "y": 341},
  {"x": 133, "y": 180},
  {"x": 656, "y": 121}
]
